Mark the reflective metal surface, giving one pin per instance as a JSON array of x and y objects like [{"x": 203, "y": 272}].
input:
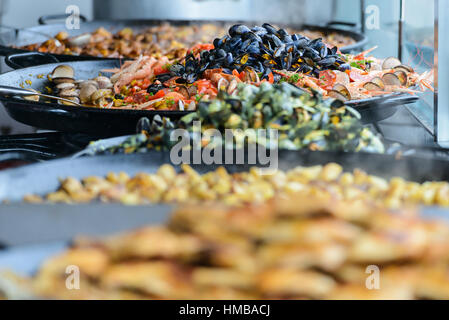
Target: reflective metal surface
[{"x": 441, "y": 72}]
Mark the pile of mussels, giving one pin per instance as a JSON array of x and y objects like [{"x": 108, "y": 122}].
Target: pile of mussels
[{"x": 263, "y": 49}]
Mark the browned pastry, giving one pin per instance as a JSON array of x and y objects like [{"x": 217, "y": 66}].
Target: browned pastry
[{"x": 296, "y": 247}]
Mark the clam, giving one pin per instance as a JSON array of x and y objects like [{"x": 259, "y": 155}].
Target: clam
[
  {"x": 76, "y": 100},
  {"x": 375, "y": 84},
  {"x": 402, "y": 76},
  {"x": 371, "y": 86},
  {"x": 222, "y": 84},
  {"x": 32, "y": 98},
  {"x": 181, "y": 105},
  {"x": 83, "y": 83},
  {"x": 391, "y": 63},
  {"x": 103, "y": 82},
  {"x": 68, "y": 93},
  {"x": 101, "y": 93},
  {"x": 86, "y": 91},
  {"x": 337, "y": 95},
  {"x": 65, "y": 85},
  {"x": 343, "y": 90},
  {"x": 63, "y": 73},
  {"x": 391, "y": 79},
  {"x": 251, "y": 75},
  {"x": 191, "y": 106},
  {"x": 404, "y": 68},
  {"x": 232, "y": 86},
  {"x": 378, "y": 81}
]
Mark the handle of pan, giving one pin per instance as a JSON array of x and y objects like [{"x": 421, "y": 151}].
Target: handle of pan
[
  {"x": 29, "y": 59},
  {"x": 350, "y": 25},
  {"x": 62, "y": 16},
  {"x": 13, "y": 91}
]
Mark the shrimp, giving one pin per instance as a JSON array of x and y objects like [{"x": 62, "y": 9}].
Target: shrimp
[
  {"x": 424, "y": 80},
  {"x": 129, "y": 68},
  {"x": 310, "y": 83},
  {"x": 144, "y": 70}
]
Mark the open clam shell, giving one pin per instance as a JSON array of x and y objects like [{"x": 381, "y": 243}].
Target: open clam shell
[
  {"x": 391, "y": 63},
  {"x": 391, "y": 79},
  {"x": 405, "y": 68},
  {"x": 376, "y": 84},
  {"x": 63, "y": 74},
  {"x": 342, "y": 90},
  {"x": 402, "y": 76}
]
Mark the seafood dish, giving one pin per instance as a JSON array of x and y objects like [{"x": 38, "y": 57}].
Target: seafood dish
[
  {"x": 295, "y": 247},
  {"x": 301, "y": 120},
  {"x": 245, "y": 188},
  {"x": 164, "y": 39},
  {"x": 251, "y": 56}
]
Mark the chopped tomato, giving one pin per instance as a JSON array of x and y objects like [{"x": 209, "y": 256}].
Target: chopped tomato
[
  {"x": 159, "y": 94},
  {"x": 203, "y": 86},
  {"x": 129, "y": 100},
  {"x": 145, "y": 83},
  {"x": 175, "y": 96},
  {"x": 270, "y": 77},
  {"x": 159, "y": 69},
  {"x": 202, "y": 47},
  {"x": 327, "y": 79}
]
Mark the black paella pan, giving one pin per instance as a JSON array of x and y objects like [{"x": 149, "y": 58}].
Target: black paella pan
[
  {"x": 62, "y": 222},
  {"x": 114, "y": 122},
  {"x": 10, "y": 37}
]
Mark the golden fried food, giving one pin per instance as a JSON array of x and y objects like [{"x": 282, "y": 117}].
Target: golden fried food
[
  {"x": 291, "y": 247},
  {"x": 188, "y": 186}
]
